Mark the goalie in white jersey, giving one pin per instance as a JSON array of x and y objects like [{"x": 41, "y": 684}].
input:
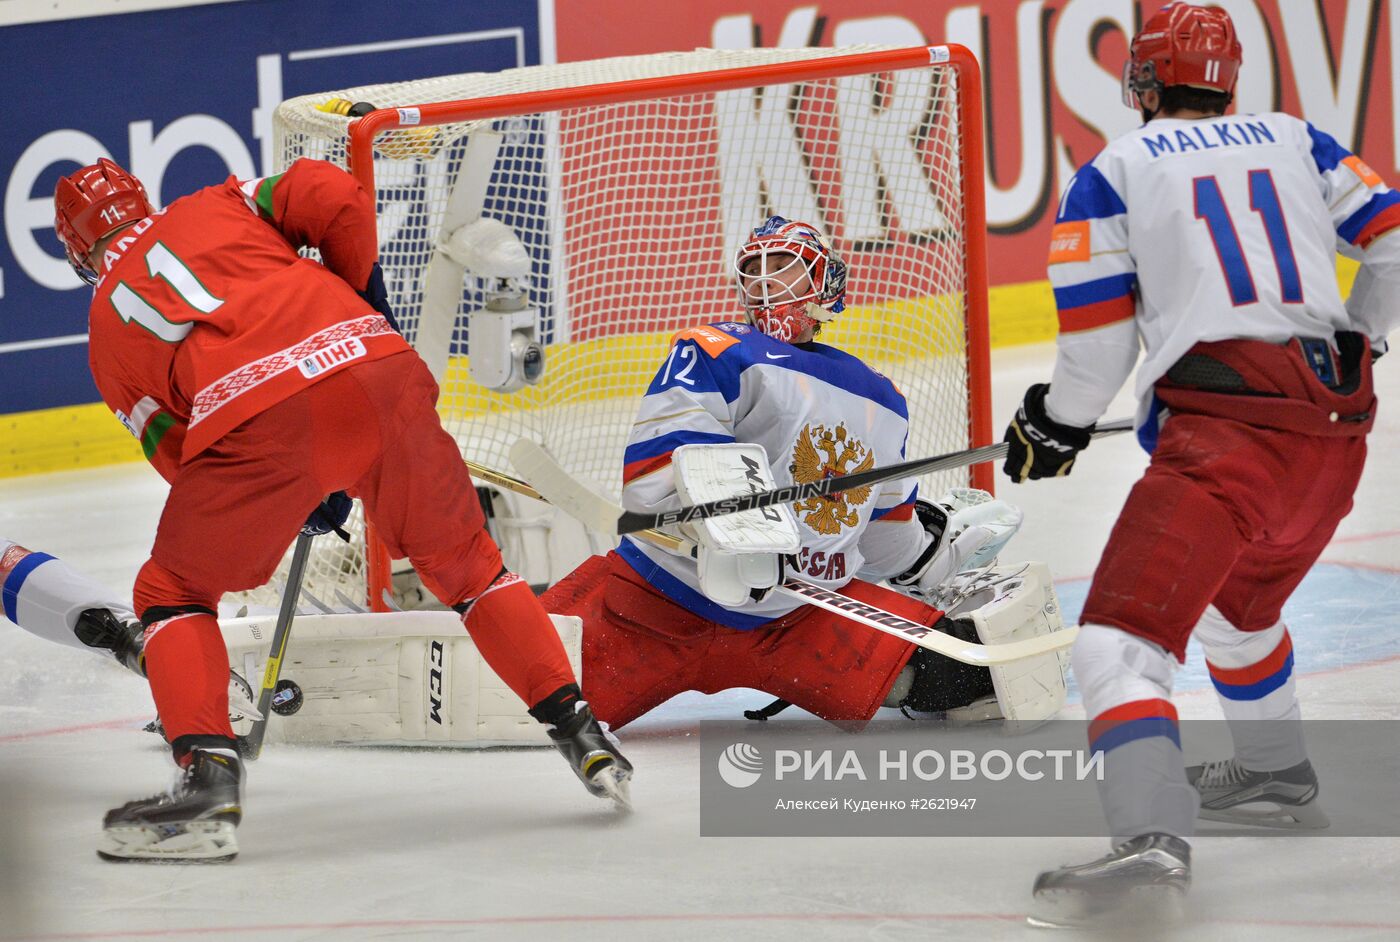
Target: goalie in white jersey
[
  {"x": 658, "y": 622},
  {"x": 1208, "y": 241}
]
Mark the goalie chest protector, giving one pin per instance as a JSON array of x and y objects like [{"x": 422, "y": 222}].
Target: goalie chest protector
[{"x": 816, "y": 410}]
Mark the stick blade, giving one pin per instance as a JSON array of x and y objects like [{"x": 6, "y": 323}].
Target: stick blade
[{"x": 539, "y": 468}]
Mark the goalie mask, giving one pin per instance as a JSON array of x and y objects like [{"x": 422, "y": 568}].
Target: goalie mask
[
  {"x": 790, "y": 278},
  {"x": 1183, "y": 45},
  {"x": 94, "y": 202}
]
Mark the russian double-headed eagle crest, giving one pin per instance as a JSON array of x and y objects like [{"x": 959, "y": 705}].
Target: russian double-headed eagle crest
[{"x": 822, "y": 452}]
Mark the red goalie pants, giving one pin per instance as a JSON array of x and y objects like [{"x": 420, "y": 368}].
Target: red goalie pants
[
  {"x": 371, "y": 430},
  {"x": 640, "y": 649},
  {"x": 1227, "y": 514}
]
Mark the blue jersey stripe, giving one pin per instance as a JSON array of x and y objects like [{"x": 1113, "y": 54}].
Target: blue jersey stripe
[
  {"x": 1092, "y": 292},
  {"x": 665, "y": 444},
  {"x": 9, "y": 593},
  {"x": 1326, "y": 152},
  {"x": 682, "y": 594},
  {"x": 1351, "y": 228},
  {"x": 1090, "y": 196}
]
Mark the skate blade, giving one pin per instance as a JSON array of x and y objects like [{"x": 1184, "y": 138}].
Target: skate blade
[
  {"x": 1308, "y": 817},
  {"x": 194, "y": 842},
  {"x": 1160, "y": 906},
  {"x": 615, "y": 783}
]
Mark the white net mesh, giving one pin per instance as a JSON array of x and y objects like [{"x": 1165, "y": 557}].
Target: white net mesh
[{"x": 631, "y": 212}]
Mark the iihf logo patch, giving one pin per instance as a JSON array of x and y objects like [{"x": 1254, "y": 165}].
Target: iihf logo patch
[
  {"x": 342, "y": 351},
  {"x": 735, "y": 328}
]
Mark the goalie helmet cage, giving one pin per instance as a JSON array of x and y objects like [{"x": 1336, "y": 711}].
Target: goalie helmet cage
[{"x": 630, "y": 182}]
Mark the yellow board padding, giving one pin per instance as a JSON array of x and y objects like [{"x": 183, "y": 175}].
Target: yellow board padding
[
  {"x": 86, "y": 436},
  {"x": 63, "y": 439}
]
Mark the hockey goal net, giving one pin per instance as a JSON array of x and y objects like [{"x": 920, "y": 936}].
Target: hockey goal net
[{"x": 629, "y": 183}]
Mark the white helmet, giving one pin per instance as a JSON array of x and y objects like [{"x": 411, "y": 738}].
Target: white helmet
[{"x": 774, "y": 306}]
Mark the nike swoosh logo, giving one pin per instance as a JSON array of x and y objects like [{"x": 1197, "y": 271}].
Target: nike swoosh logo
[{"x": 777, "y": 356}]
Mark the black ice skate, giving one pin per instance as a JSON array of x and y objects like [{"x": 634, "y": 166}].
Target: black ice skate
[
  {"x": 595, "y": 755},
  {"x": 1286, "y": 799},
  {"x": 193, "y": 822},
  {"x": 100, "y": 628},
  {"x": 1142, "y": 881}
]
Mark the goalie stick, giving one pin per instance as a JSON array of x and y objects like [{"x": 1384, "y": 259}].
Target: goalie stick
[
  {"x": 925, "y": 636},
  {"x": 539, "y": 468},
  {"x": 251, "y": 746}
]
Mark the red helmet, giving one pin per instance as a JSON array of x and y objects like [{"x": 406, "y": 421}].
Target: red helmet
[
  {"x": 92, "y": 203},
  {"x": 1183, "y": 45}
]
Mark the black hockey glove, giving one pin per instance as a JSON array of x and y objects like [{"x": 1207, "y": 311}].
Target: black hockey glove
[
  {"x": 1040, "y": 447},
  {"x": 377, "y": 296},
  {"x": 329, "y": 515}
]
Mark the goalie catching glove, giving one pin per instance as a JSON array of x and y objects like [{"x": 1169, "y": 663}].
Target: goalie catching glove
[
  {"x": 967, "y": 528},
  {"x": 740, "y": 555}
]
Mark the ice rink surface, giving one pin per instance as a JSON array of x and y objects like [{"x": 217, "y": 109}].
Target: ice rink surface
[{"x": 380, "y": 844}]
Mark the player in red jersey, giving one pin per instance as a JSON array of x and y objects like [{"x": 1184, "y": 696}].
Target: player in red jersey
[{"x": 258, "y": 382}]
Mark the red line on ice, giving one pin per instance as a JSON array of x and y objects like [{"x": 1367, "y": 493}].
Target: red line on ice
[{"x": 80, "y": 728}]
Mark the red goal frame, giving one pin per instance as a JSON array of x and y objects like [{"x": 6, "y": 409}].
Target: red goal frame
[{"x": 360, "y": 155}]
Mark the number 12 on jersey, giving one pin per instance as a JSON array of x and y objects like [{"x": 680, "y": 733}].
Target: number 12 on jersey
[{"x": 1263, "y": 199}]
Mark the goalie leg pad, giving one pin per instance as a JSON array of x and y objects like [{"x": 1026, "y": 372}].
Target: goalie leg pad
[
  {"x": 1023, "y": 606},
  {"x": 407, "y": 678}
]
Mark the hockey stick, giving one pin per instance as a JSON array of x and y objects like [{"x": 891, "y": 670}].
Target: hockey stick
[
  {"x": 252, "y": 743},
  {"x": 925, "y": 636},
  {"x": 597, "y": 513}
]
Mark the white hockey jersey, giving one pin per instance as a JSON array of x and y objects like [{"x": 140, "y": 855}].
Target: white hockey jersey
[
  {"x": 817, "y": 412},
  {"x": 44, "y": 595},
  {"x": 1201, "y": 230}
]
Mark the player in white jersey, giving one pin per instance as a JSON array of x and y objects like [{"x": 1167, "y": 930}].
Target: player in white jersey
[
  {"x": 658, "y": 623},
  {"x": 48, "y": 598},
  {"x": 1208, "y": 241}
]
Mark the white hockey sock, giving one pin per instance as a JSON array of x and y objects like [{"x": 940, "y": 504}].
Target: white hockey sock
[
  {"x": 1126, "y": 683},
  {"x": 1253, "y": 675}
]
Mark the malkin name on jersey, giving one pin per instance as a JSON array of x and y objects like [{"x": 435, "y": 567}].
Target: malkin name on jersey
[{"x": 1206, "y": 136}]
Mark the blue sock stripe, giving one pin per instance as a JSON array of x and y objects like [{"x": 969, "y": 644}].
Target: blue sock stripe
[
  {"x": 1260, "y": 688},
  {"x": 1133, "y": 730},
  {"x": 9, "y": 593}
]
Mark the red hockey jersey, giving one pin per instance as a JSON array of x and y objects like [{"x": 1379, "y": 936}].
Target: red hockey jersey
[{"x": 205, "y": 315}]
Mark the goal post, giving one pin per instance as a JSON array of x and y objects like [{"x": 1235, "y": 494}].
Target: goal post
[{"x": 611, "y": 196}]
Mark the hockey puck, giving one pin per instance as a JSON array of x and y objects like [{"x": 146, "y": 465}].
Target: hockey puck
[{"x": 286, "y": 698}]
